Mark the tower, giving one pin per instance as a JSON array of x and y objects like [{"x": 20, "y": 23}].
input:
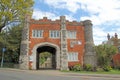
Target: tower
[
  {"x": 64, "y": 62},
  {"x": 89, "y": 55},
  {"x": 24, "y": 57}
]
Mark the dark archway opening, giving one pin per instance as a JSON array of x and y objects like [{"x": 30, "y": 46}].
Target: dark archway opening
[{"x": 46, "y": 57}]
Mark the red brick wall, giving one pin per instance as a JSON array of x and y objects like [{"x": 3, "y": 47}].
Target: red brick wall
[
  {"x": 55, "y": 25},
  {"x": 77, "y": 48},
  {"x": 116, "y": 59}
]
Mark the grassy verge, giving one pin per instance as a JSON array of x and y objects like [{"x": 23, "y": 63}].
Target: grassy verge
[{"x": 99, "y": 72}]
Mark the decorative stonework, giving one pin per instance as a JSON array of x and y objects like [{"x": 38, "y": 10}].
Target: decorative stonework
[
  {"x": 64, "y": 62},
  {"x": 24, "y": 59}
]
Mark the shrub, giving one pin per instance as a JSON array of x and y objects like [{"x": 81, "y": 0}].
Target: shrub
[
  {"x": 8, "y": 65},
  {"x": 71, "y": 68},
  {"x": 117, "y": 67},
  {"x": 88, "y": 67},
  {"x": 76, "y": 67},
  {"x": 107, "y": 68}
]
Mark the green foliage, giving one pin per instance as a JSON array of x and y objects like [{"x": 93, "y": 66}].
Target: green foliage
[
  {"x": 88, "y": 67},
  {"x": 44, "y": 56},
  {"x": 11, "y": 39},
  {"x": 42, "y": 60},
  {"x": 77, "y": 67},
  {"x": 104, "y": 54},
  {"x": 14, "y": 10},
  {"x": 107, "y": 68},
  {"x": 8, "y": 65}
]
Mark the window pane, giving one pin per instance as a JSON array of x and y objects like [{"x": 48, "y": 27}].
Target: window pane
[
  {"x": 37, "y": 33},
  {"x": 54, "y": 34},
  {"x": 71, "y": 34},
  {"x": 73, "y": 56}
]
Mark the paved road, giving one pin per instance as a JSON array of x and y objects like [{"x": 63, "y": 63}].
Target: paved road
[{"x": 8, "y": 74}]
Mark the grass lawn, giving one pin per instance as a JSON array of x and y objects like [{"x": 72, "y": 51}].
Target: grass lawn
[
  {"x": 103, "y": 72},
  {"x": 99, "y": 72}
]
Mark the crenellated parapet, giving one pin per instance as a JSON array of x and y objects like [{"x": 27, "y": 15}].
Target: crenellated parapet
[{"x": 45, "y": 20}]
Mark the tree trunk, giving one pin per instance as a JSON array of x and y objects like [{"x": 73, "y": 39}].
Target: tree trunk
[{"x": 1, "y": 27}]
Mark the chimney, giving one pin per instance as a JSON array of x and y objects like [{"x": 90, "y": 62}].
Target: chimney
[
  {"x": 116, "y": 36},
  {"x": 108, "y": 36}
]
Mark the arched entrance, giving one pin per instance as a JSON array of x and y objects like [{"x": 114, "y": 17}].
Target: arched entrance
[
  {"x": 46, "y": 57},
  {"x": 40, "y": 48}
]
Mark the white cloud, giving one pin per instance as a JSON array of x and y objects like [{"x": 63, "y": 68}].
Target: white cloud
[
  {"x": 101, "y": 12},
  {"x": 70, "y": 18},
  {"x": 95, "y": 20},
  {"x": 99, "y": 35},
  {"x": 38, "y": 14},
  {"x": 106, "y": 10},
  {"x": 70, "y": 5},
  {"x": 98, "y": 31}
]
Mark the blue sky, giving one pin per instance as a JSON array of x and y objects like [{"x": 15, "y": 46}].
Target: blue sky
[{"x": 104, "y": 14}]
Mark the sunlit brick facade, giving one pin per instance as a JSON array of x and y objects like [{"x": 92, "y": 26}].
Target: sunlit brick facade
[{"x": 65, "y": 40}]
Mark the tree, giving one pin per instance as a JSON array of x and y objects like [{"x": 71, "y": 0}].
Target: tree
[
  {"x": 14, "y": 11},
  {"x": 11, "y": 39},
  {"x": 43, "y": 56},
  {"x": 104, "y": 54}
]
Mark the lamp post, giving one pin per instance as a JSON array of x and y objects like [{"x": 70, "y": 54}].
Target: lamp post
[{"x": 3, "y": 51}]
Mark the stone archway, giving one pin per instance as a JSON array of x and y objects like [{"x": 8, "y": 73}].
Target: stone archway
[
  {"x": 46, "y": 57},
  {"x": 41, "y": 45}
]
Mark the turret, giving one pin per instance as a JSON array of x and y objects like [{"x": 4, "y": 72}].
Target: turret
[
  {"x": 24, "y": 50},
  {"x": 90, "y": 54}
]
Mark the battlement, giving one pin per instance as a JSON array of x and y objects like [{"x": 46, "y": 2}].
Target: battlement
[{"x": 45, "y": 20}]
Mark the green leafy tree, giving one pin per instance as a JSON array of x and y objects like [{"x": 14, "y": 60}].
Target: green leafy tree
[
  {"x": 11, "y": 39},
  {"x": 44, "y": 56},
  {"x": 104, "y": 54},
  {"x": 14, "y": 11}
]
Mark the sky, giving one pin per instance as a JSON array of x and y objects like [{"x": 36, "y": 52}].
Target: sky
[{"x": 104, "y": 14}]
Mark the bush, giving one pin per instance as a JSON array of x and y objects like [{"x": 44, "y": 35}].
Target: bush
[
  {"x": 8, "y": 65},
  {"x": 76, "y": 67},
  {"x": 117, "y": 67},
  {"x": 88, "y": 67},
  {"x": 71, "y": 68},
  {"x": 107, "y": 68}
]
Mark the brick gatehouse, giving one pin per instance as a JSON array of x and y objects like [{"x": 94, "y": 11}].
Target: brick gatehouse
[{"x": 68, "y": 42}]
